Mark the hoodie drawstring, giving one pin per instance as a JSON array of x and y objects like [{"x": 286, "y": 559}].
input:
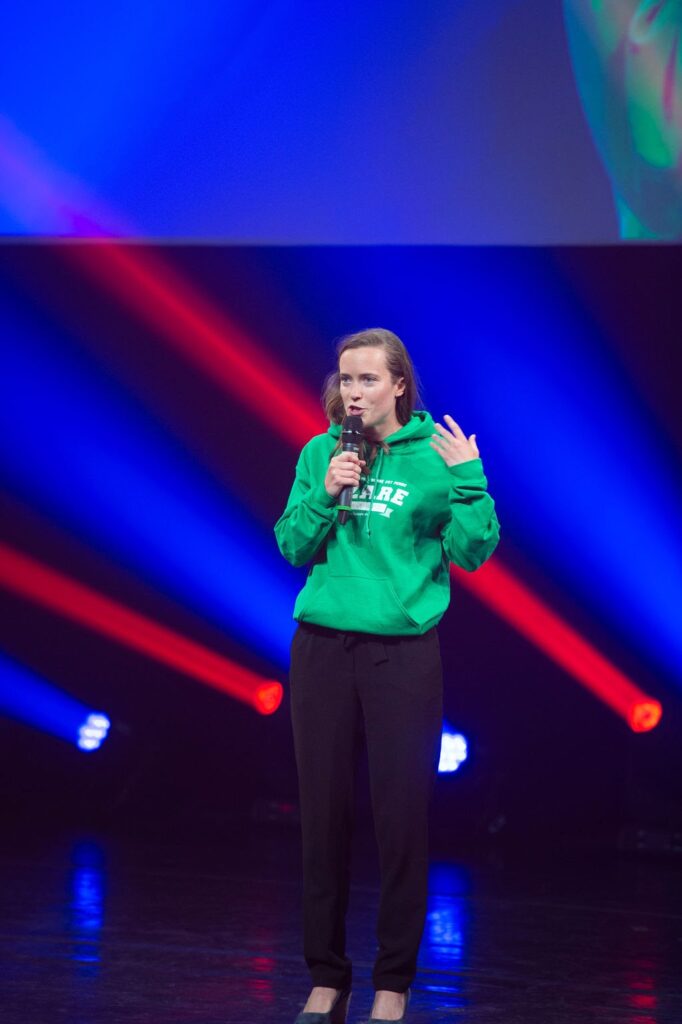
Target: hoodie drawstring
[{"x": 377, "y": 476}]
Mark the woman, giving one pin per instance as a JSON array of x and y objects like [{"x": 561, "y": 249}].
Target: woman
[{"x": 366, "y": 645}]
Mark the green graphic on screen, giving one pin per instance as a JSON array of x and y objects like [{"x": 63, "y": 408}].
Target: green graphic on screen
[{"x": 628, "y": 64}]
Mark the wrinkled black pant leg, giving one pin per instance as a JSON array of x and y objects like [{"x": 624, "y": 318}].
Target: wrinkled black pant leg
[
  {"x": 325, "y": 715},
  {"x": 402, "y": 704}
]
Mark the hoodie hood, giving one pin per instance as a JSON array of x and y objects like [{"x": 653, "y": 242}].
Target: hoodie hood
[{"x": 419, "y": 426}]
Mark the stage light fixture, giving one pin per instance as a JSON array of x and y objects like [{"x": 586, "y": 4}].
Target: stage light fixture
[
  {"x": 28, "y": 698},
  {"x": 453, "y": 751},
  {"x": 93, "y": 732}
]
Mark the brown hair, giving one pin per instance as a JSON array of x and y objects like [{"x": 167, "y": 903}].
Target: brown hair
[{"x": 398, "y": 363}]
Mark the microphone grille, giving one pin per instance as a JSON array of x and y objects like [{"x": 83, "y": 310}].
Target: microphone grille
[{"x": 353, "y": 425}]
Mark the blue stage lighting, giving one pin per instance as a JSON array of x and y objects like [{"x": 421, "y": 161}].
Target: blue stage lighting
[
  {"x": 93, "y": 732},
  {"x": 85, "y": 453},
  {"x": 85, "y": 907},
  {"x": 557, "y": 421},
  {"x": 453, "y": 751},
  {"x": 27, "y": 698},
  {"x": 446, "y": 930}
]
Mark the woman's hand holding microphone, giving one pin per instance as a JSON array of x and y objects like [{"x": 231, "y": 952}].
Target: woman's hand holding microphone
[{"x": 344, "y": 471}]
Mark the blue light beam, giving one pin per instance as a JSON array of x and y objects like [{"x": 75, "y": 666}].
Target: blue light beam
[
  {"x": 582, "y": 478},
  {"x": 102, "y": 468},
  {"x": 27, "y": 698}
]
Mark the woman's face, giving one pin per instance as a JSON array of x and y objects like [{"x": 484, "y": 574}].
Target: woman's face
[{"x": 368, "y": 391}]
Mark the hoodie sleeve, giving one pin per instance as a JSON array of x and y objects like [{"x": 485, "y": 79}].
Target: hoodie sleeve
[
  {"x": 472, "y": 533},
  {"x": 308, "y": 516}
]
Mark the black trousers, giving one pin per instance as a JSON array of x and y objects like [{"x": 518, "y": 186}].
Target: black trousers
[{"x": 395, "y": 684}]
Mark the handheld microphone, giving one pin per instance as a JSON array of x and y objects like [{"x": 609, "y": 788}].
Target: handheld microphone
[{"x": 352, "y": 436}]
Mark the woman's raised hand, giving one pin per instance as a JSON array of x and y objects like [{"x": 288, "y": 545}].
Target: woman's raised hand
[
  {"x": 452, "y": 445},
  {"x": 344, "y": 471}
]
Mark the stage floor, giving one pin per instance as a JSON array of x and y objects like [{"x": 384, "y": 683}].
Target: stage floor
[{"x": 98, "y": 928}]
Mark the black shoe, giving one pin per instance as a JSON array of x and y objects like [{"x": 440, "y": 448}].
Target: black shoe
[
  {"x": 380, "y": 1020},
  {"x": 335, "y": 1015}
]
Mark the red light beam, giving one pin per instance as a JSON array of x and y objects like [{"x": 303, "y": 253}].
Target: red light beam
[
  {"x": 204, "y": 335},
  {"x": 496, "y": 587},
  {"x": 52, "y": 589}
]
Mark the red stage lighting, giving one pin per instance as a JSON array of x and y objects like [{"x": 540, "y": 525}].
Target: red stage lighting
[
  {"x": 498, "y": 588},
  {"x": 203, "y": 334},
  {"x": 209, "y": 338},
  {"x": 45, "y": 586}
]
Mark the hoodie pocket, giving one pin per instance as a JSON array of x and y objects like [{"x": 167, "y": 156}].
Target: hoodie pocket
[
  {"x": 371, "y": 604},
  {"x": 401, "y": 605}
]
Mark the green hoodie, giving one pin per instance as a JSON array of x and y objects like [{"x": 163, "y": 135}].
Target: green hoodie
[{"x": 386, "y": 570}]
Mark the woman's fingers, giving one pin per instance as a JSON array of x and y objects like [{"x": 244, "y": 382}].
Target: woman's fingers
[
  {"x": 445, "y": 435},
  {"x": 346, "y": 469},
  {"x": 452, "y": 444},
  {"x": 454, "y": 427},
  {"x": 347, "y": 461},
  {"x": 349, "y": 457},
  {"x": 454, "y": 434}
]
